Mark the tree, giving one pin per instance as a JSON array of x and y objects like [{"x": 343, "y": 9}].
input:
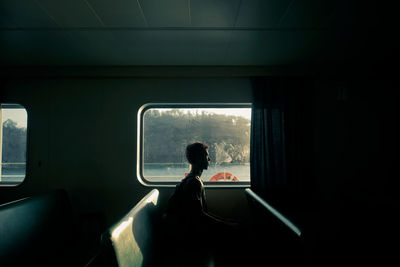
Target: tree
[
  {"x": 14, "y": 143},
  {"x": 167, "y": 133}
]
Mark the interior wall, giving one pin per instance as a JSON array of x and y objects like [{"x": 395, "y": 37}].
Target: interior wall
[
  {"x": 83, "y": 135},
  {"x": 354, "y": 153}
]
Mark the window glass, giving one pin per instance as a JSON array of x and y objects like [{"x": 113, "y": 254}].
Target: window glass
[
  {"x": 168, "y": 130},
  {"x": 13, "y": 135}
]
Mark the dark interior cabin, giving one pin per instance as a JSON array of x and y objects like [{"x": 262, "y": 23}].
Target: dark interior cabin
[{"x": 318, "y": 78}]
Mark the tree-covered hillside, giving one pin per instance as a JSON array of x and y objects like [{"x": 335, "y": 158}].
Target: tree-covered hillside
[
  {"x": 14, "y": 143},
  {"x": 167, "y": 133}
]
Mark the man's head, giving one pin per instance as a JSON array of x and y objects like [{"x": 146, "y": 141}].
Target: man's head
[{"x": 197, "y": 155}]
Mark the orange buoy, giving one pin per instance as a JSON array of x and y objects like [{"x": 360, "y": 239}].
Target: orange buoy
[{"x": 223, "y": 176}]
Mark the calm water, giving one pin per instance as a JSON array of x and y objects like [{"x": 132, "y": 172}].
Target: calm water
[
  {"x": 13, "y": 174},
  {"x": 171, "y": 173},
  {"x": 159, "y": 172}
]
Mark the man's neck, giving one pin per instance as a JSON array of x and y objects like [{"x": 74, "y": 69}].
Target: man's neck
[{"x": 196, "y": 171}]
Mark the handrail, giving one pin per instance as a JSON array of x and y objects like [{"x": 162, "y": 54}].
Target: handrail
[{"x": 276, "y": 213}]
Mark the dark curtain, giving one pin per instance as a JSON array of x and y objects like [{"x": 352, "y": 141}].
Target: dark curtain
[
  {"x": 268, "y": 153},
  {"x": 282, "y": 138}
]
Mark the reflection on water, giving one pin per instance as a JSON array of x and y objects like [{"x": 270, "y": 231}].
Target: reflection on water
[
  {"x": 176, "y": 172},
  {"x": 13, "y": 172},
  {"x": 154, "y": 172}
]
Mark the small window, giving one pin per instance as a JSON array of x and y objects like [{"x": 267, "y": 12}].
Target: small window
[
  {"x": 166, "y": 129},
  {"x": 13, "y": 135}
]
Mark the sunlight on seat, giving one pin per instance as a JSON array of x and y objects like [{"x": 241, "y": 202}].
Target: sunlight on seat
[
  {"x": 121, "y": 228},
  {"x": 153, "y": 197}
]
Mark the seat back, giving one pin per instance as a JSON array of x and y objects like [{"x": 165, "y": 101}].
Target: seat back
[
  {"x": 131, "y": 238},
  {"x": 275, "y": 233},
  {"x": 37, "y": 231}
]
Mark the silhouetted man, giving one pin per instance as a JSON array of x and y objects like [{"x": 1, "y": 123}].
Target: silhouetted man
[{"x": 190, "y": 223}]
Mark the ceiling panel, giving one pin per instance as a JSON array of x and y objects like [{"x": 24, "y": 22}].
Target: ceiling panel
[
  {"x": 261, "y": 13},
  {"x": 244, "y": 48},
  {"x": 210, "y": 46},
  {"x": 119, "y": 13},
  {"x": 95, "y": 47},
  {"x": 161, "y": 47},
  {"x": 195, "y": 32},
  {"x": 72, "y": 13},
  {"x": 35, "y": 48},
  {"x": 24, "y": 13},
  {"x": 356, "y": 13},
  {"x": 139, "y": 47},
  {"x": 211, "y": 13},
  {"x": 166, "y": 13},
  {"x": 286, "y": 47},
  {"x": 5, "y": 22},
  {"x": 307, "y": 13}
]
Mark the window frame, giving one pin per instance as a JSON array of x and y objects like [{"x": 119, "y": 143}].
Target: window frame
[
  {"x": 13, "y": 106},
  {"x": 140, "y": 142}
]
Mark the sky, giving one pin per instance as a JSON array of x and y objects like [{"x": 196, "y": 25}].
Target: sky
[{"x": 242, "y": 112}]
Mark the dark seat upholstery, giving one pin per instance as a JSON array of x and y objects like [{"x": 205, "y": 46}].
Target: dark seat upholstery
[
  {"x": 131, "y": 241},
  {"x": 38, "y": 231}
]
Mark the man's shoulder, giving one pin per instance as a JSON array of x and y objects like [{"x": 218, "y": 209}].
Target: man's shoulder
[{"x": 194, "y": 181}]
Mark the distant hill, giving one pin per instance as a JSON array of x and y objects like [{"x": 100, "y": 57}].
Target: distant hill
[{"x": 167, "y": 133}]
